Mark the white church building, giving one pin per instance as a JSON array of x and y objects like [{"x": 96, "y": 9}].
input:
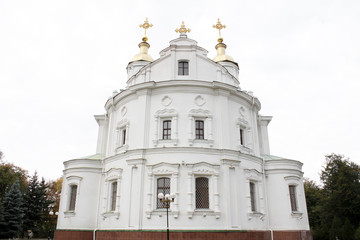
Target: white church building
[{"x": 184, "y": 127}]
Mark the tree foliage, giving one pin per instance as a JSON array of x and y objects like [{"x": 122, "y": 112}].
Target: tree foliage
[
  {"x": 9, "y": 173},
  {"x": 334, "y": 208},
  {"x": 36, "y": 204},
  {"x": 12, "y": 212}
]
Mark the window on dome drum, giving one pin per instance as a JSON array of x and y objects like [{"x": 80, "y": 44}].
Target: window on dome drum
[
  {"x": 242, "y": 142},
  {"x": 253, "y": 197},
  {"x": 183, "y": 68},
  {"x": 292, "y": 191},
  {"x": 113, "y": 196},
  {"x": 202, "y": 192},
  {"x": 73, "y": 191},
  {"x": 163, "y": 186},
  {"x": 166, "y": 129},
  {"x": 199, "y": 129},
  {"x": 123, "y": 136}
]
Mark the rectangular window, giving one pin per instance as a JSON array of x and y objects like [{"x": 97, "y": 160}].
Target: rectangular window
[
  {"x": 167, "y": 129},
  {"x": 202, "y": 192},
  {"x": 183, "y": 68},
  {"x": 73, "y": 191},
  {"x": 163, "y": 186},
  {"x": 199, "y": 129},
  {"x": 113, "y": 196},
  {"x": 253, "y": 196},
  {"x": 292, "y": 191},
  {"x": 242, "y": 137},
  {"x": 123, "y": 136}
]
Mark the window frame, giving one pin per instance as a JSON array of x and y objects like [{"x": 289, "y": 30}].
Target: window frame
[
  {"x": 182, "y": 69},
  {"x": 253, "y": 196},
  {"x": 72, "y": 197},
  {"x": 205, "y": 116},
  {"x": 69, "y": 182},
  {"x": 113, "y": 196},
  {"x": 122, "y": 136},
  {"x": 199, "y": 129},
  {"x": 166, "y": 130},
  {"x": 204, "y": 191},
  {"x": 161, "y": 116},
  {"x": 159, "y": 204},
  {"x": 293, "y": 198},
  {"x": 242, "y": 136}
]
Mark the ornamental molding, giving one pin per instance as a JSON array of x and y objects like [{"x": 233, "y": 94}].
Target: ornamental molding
[
  {"x": 200, "y": 113},
  {"x": 242, "y": 121},
  {"x": 253, "y": 174},
  {"x": 242, "y": 111},
  {"x": 113, "y": 174},
  {"x": 230, "y": 162},
  {"x": 292, "y": 178},
  {"x": 199, "y": 101},
  {"x": 122, "y": 123},
  {"x": 203, "y": 168},
  {"x": 166, "y": 101},
  {"x": 123, "y": 111},
  {"x": 166, "y": 113},
  {"x": 163, "y": 169}
]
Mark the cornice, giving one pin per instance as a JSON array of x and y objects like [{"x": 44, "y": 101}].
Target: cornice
[{"x": 134, "y": 90}]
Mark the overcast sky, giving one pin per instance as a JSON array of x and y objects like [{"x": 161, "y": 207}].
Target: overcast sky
[{"x": 61, "y": 60}]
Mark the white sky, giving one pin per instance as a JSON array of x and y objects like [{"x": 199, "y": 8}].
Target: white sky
[{"x": 61, "y": 60}]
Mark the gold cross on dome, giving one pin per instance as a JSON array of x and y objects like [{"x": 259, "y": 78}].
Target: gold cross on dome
[
  {"x": 146, "y": 25},
  {"x": 219, "y": 26},
  {"x": 182, "y": 29}
]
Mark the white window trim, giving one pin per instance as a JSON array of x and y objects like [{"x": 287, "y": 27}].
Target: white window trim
[
  {"x": 160, "y": 116},
  {"x": 122, "y": 125},
  {"x": 70, "y": 181},
  {"x": 241, "y": 123},
  {"x": 112, "y": 175},
  {"x": 177, "y": 69},
  {"x": 254, "y": 176},
  {"x": 294, "y": 181},
  {"x": 155, "y": 172},
  {"x": 211, "y": 172},
  {"x": 206, "y": 116}
]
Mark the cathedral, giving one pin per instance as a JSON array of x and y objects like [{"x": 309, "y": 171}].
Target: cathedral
[{"x": 184, "y": 148}]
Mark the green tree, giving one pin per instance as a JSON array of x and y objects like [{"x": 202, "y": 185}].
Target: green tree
[
  {"x": 35, "y": 204},
  {"x": 357, "y": 233},
  {"x": 335, "y": 230},
  {"x": 12, "y": 212},
  {"x": 348, "y": 230},
  {"x": 341, "y": 189},
  {"x": 9, "y": 173},
  {"x": 50, "y": 218},
  {"x": 313, "y": 201}
]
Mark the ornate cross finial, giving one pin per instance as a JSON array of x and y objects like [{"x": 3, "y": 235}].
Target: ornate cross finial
[
  {"x": 182, "y": 29},
  {"x": 219, "y": 26},
  {"x": 145, "y": 26}
]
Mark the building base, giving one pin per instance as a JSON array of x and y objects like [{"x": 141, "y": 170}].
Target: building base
[{"x": 181, "y": 235}]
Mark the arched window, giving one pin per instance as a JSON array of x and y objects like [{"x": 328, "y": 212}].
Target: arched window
[
  {"x": 163, "y": 186},
  {"x": 202, "y": 192}
]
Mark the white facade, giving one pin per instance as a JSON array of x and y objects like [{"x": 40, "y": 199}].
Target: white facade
[{"x": 248, "y": 189}]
